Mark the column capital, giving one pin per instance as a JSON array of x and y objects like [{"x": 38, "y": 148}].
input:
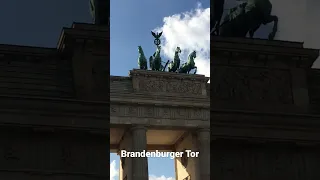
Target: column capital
[
  {"x": 203, "y": 130},
  {"x": 203, "y": 134},
  {"x": 137, "y": 127},
  {"x": 119, "y": 151}
]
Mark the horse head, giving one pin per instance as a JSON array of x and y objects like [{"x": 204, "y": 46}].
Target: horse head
[
  {"x": 191, "y": 57},
  {"x": 140, "y": 49},
  {"x": 178, "y": 50},
  {"x": 193, "y": 54}
]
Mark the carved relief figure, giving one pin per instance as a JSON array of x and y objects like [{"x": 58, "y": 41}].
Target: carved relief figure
[{"x": 251, "y": 84}]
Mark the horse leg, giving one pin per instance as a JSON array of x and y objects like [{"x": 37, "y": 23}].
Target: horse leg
[
  {"x": 218, "y": 27},
  {"x": 165, "y": 66},
  {"x": 195, "y": 71},
  {"x": 275, "y": 20},
  {"x": 253, "y": 30},
  {"x": 218, "y": 7},
  {"x": 213, "y": 30}
]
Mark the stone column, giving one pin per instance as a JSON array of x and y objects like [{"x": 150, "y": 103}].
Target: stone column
[
  {"x": 204, "y": 155},
  {"x": 139, "y": 143}
]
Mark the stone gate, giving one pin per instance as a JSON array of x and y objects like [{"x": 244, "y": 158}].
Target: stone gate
[{"x": 152, "y": 110}]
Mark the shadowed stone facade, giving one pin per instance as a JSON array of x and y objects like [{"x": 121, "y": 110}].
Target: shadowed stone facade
[
  {"x": 265, "y": 121},
  {"x": 54, "y": 108}
]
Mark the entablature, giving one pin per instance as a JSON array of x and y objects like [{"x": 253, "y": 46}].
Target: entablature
[{"x": 272, "y": 126}]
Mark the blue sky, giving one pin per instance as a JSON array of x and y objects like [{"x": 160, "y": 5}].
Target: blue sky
[
  {"x": 185, "y": 23},
  {"x": 39, "y": 22},
  {"x": 131, "y": 23},
  {"x": 159, "y": 168}
]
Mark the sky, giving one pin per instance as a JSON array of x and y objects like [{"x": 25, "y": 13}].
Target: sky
[
  {"x": 38, "y": 22},
  {"x": 184, "y": 23}
]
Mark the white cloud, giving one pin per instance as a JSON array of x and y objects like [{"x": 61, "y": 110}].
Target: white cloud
[
  {"x": 114, "y": 173},
  {"x": 190, "y": 31},
  {"x": 152, "y": 177}
]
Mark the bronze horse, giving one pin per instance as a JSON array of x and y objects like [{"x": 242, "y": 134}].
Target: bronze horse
[
  {"x": 218, "y": 6},
  {"x": 247, "y": 18}
]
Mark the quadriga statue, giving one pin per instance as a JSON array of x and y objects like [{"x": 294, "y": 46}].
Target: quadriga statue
[
  {"x": 245, "y": 18},
  {"x": 100, "y": 11}
]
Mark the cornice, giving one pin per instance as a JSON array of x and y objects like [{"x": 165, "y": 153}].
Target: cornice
[
  {"x": 256, "y": 41},
  {"x": 26, "y": 50},
  {"x": 168, "y": 75},
  {"x": 265, "y": 119},
  {"x": 54, "y": 105},
  {"x": 282, "y": 127},
  {"x": 163, "y": 101},
  {"x": 120, "y": 78},
  {"x": 83, "y": 31},
  {"x": 299, "y": 55}
]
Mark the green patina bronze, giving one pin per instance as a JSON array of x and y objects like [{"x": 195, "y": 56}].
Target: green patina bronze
[
  {"x": 156, "y": 36},
  {"x": 156, "y": 62},
  {"x": 142, "y": 60},
  {"x": 175, "y": 64},
  {"x": 247, "y": 18},
  {"x": 190, "y": 64},
  {"x": 100, "y": 11}
]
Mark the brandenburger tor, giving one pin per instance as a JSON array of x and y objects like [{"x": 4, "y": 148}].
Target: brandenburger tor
[{"x": 58, "y": 111}]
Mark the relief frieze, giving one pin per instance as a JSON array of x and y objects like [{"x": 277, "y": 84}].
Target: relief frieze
[
  {"x": 10, "y": 153},
  {"x": 170, "y": 86},
  {"x": 251, "y": 84},
  {"x": 159, "y": 112}
]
